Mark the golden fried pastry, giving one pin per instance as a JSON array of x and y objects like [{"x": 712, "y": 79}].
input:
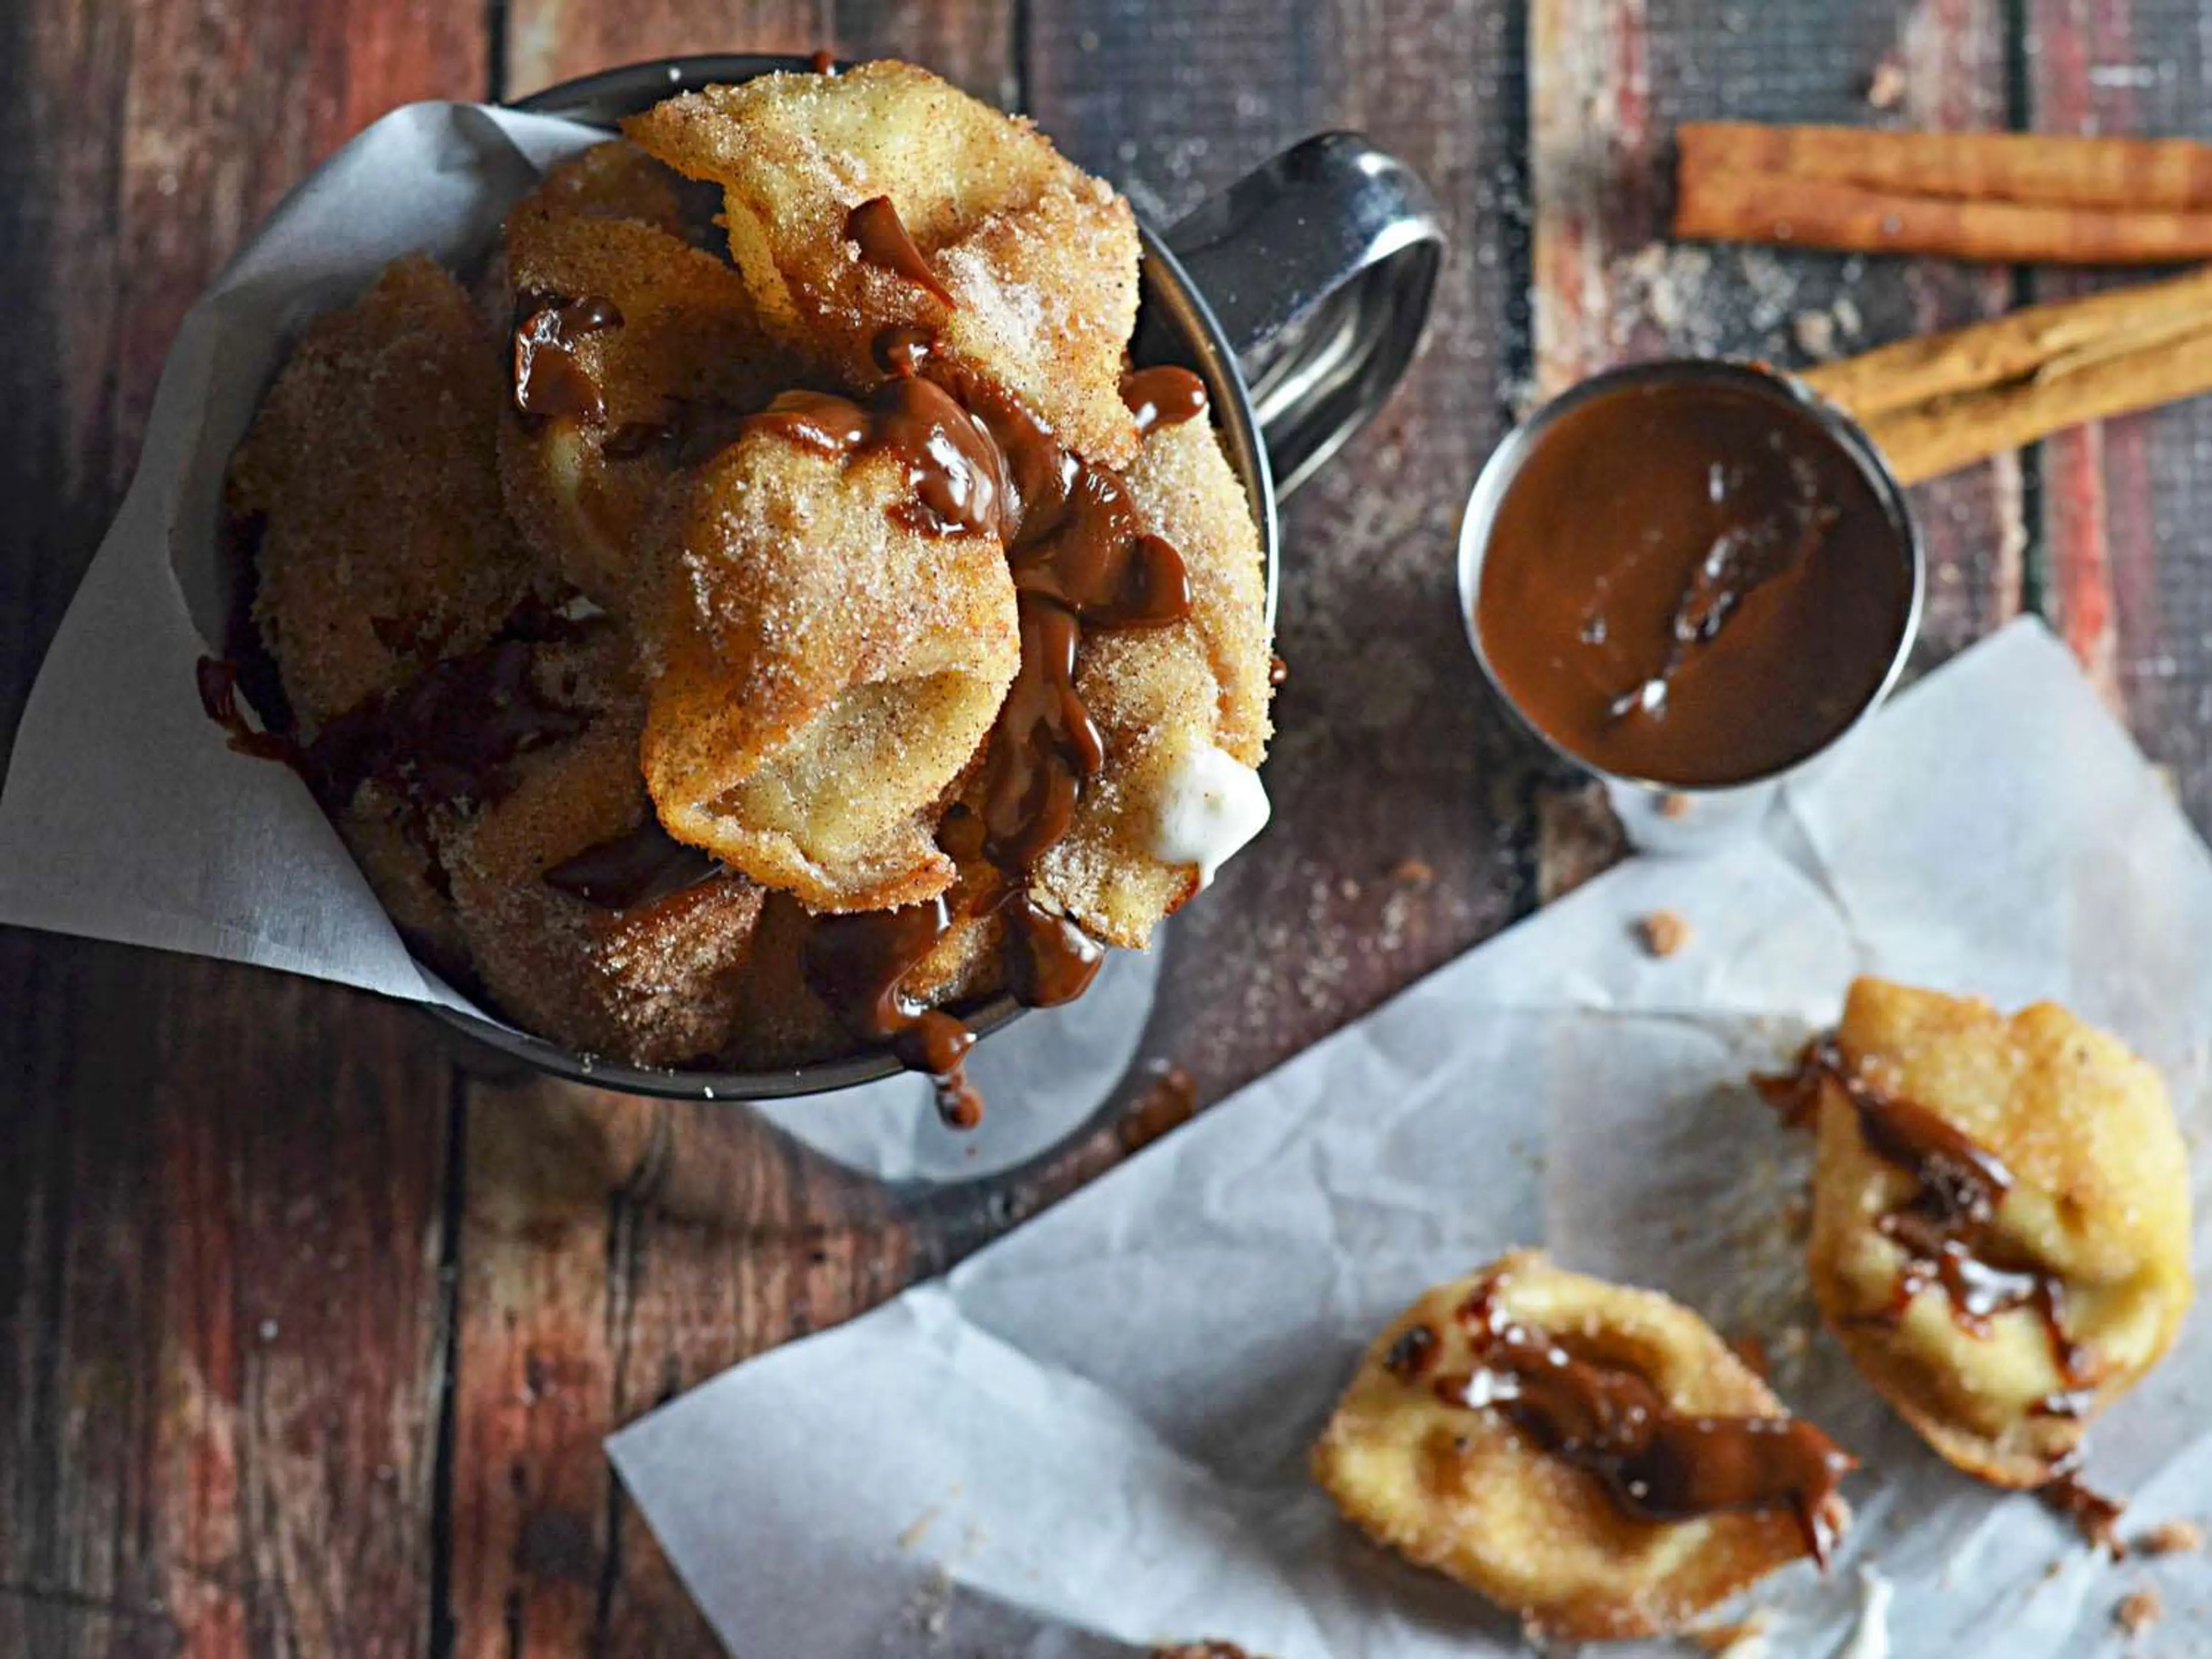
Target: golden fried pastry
[
  {"x": 1183, "y": 708},
  {"x": 825, "y": 670},
  {"x": 2000, "y": 1220},
  {"x": 1593, "y": 1458},
  {"x": 371, "y": 474},
  {"x": 882, "y": 197},
  {"x": 626, "y": 339}
]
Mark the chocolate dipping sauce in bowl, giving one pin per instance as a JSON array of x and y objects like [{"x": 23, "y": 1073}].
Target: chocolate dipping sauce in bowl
[{"x": 1692, "y": 578}]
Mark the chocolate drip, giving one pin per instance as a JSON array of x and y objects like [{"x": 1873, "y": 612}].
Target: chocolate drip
[
  {"x": 2096, "y": 1516},
  {"x": 1409, "y": 1356},
  {"x": 824, "y": 61},
  {"x": 1049, "y": 960},
  {"x": 1656, "y": 1463},
  {"x": 874, "y": 227},
  {"x": 859, "y": 965},
  {"x": 1947, "y": 1229},
  {"x": 217, "y": 679},
  {"x": 1278, "y": 671},
  {"x": 637, "y": 868},
  {"x": 1163, "y": 396},
  {"x": 548, "y": 382},
  {"x": 452, "y": 734},
  {"x": 952, "y": 467},
  {"x": 1046, "y": 745}
]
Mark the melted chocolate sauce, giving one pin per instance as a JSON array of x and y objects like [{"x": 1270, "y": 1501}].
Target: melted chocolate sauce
[
  {"x": 2096, "y": 1516},
  {"x": 548, "y": 382},
  {"x": 874, "y": 227},
  {"x": 1656, "y": 1463},
  {"x": 859, "y": 965},
  {"x": 1947, "y": 1230},
  {"x": 646, "y": 864},
  {"x": 1049, "y": 960},
  {"x": 1694, "y": 583},
  {"x": 1164, "y": 396},
  {"x": 452, "y": 734},
  {"x": 217, "y": 679},
  {"x": 952, "y": 467},
  {"x": 1278, "y": 671},
  {"x": 824, "y": 61},
  {"x": 1409, "y": 1356}
]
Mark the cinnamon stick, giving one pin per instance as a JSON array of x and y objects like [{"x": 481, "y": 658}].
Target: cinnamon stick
[
  {"x": 2015, "y": 197},
  {"x": 2055, "y": 169},
  {"x": 1932, "y": 405},
  {"x": 1982, "y": 356}
]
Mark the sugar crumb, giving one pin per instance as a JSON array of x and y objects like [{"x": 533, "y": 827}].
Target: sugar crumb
[
  {"x": 1885, "y": 87},
  {"x": 2171, "y": 1538},
  {"x": 1664, "y": 933},
  {"x": 1815, "y": 333},
  {"x": 2138, "y": 1610}
]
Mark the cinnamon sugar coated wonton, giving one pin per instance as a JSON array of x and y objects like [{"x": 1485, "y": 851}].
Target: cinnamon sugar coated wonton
[
  {"x": 1592, "y": 1458},
  {"x": 2000, "y": 1221}
]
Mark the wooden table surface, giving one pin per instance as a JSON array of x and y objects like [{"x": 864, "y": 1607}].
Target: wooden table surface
[{"x": 311, "y": 1327}]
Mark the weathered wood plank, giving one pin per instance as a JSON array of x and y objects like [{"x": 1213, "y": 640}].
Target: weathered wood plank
[
  {"x": 210, "y": 1447},
  {"x": 616, "y": 1251},
  {"x": 2126, "y": 577},
  {"x": 1611, "y": 80}
]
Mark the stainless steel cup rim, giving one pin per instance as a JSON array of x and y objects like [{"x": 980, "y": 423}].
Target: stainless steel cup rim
[
  {"x": 1175, "y": 325},
  {"x": 1504, "y": 463}
]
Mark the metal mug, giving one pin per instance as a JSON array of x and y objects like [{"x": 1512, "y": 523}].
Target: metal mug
[
  {"x": 1712, "y": 809},
  {"x": 1298, "y": 295}
]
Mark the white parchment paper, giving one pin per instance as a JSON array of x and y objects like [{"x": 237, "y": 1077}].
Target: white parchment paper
[
  {"x": 1091, "y": 1436},
  {"x": 125, "y": 817}
]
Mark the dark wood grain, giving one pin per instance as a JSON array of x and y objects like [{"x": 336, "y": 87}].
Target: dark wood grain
[
  {"x": 220, "y": 1190},
  {"x": 2126, "y": 574}
]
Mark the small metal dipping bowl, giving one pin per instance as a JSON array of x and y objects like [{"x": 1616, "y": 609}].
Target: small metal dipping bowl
[
  {"x": 1727, "y": 803},
  {"x": 1298, "y": 295}
]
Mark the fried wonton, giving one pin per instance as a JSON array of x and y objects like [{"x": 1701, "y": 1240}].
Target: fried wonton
[{"x": 2000, "y": 1220}]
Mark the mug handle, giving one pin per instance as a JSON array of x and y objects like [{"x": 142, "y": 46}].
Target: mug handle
[{"x": 1320, "y": 265}]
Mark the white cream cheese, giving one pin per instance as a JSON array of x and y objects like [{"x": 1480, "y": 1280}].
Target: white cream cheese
[{"x": 1212, "y": 805}]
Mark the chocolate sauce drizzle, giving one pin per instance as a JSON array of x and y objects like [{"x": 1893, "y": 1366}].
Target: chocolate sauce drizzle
[
  {"x": 548, "y": 382},
  {"x": 217, "y": 680},
  {"x": 2094, "y": 1516},
  {"x": 875, "y": 229},
  {"x": 638, "y": 867},
  {"x": 1163, "y": 396},
  {"x": 1947, "y": 1229},
  {"x": 979, "y": 461},
  {"x": 1656, "y": 1463}
]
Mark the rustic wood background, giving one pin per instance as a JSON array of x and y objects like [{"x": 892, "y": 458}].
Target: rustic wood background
[{"x": 311, "y": 1327}]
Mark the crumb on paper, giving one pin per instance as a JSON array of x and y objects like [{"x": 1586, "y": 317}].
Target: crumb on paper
[
  {"x": 2138, "y": 1610},
  {"x": 1664, "y": 933},
  {"x": 2171, "y": 1538},
  {"x": 1673, "y": 803},
  {"x": 1885, "y": 87},
  {"x": 1815, "y": 333},
  {"x": 918, "y": 1528}
]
